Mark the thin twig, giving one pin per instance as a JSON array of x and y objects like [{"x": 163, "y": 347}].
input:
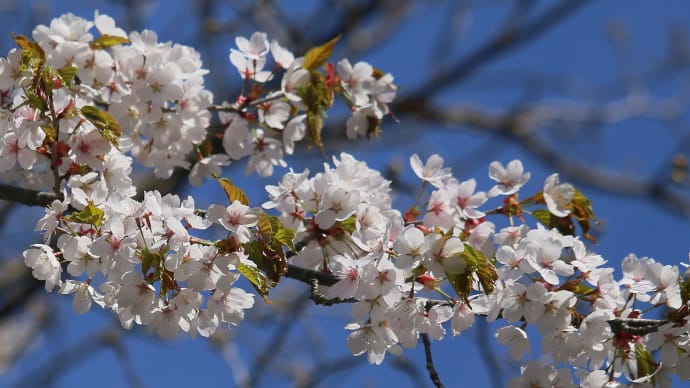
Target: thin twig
[
  {"x": 319, "y": 298},
  {"x": 430, "y": 362}
]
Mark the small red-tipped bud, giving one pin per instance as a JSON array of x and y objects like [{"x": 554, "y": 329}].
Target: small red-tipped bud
[
  {"x": 411, "y": 214},
  {"x": 74, "y": 169},
  {"x": 427, "y": 280},
  {"x": 473, "y": 223},
  {"x": 423, "y": 228},
  {"x": 249, "y": 116}
]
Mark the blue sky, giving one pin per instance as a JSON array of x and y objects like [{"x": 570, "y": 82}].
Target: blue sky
[{"x": 577, "y": 49}]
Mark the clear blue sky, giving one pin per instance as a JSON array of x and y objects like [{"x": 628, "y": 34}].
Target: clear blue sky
[{"x": 578, "y": 49}]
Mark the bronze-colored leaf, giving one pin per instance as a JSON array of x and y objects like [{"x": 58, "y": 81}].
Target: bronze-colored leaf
[
  {"x": 318, "y": 55},
  {"x": 233, "y": 192}
]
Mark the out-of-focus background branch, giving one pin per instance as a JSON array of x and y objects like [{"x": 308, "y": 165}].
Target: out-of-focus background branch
[{"x": 479, "y": 81}]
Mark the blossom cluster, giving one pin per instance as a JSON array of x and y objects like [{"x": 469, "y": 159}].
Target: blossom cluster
[
  {"x": 264, "y": 124},
  {"x": 54, "y": 87},
  {"x": 77, "y": 110},
  {"x": 148, "y": 268},
  {"x": 395, "y": 268}
]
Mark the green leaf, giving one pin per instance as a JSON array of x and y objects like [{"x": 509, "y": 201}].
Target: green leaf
[
  {"x": 273, "y": 261},
  {"x": 104, "y": 122},
  {"x": 34, "y": 101},
  {"x": 685, "y": 291},
  {"x": 33, "y": 56},
  {"x": 646, "y": 365},
  {"x": 317, "y": 97},
  {"x": 265, "y": 226},
  {"x": 318, "y": 55},
  {"x": 462, "y": 284},
  {"x": 233, "y": 192},
  {"x": 478, "y": 263},
  {"x": 90, "y": 214},
  {"x": 146, "y": 260},
  {"x": 67, "y": 74},
  {"x": 349, "y": 224},
  {"x": 314, "y": 127},
  {"x": 253, "y": 250},
  {"x": 281, "y": 234},
  {"x": 581, "y": 210},
  {"x": 106, "y": 41},
  {"x": 268, "y": 253},
  {"x": 258, "y": 280},
  {"x": 543, "y": 216}
]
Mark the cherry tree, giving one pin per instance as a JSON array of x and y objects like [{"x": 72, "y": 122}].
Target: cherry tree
[{"x": 85, "y": 104}]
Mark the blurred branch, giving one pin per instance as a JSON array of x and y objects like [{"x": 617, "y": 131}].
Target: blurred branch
[
  {"x": 81, "y": 351},
  {"x": 19, "y": 331},
  {"x": 324, "y": 369},
  {"x": 17, "y": 286},
  {"x": 491, "y": 363},
  {"x": 276, "y": 342},
  {"x": 502, "y": 43},
  {"x": 26, "y": 196},
  {"x": 409, "y": 368},
  {"x": 521, "y": 127},
  {"x": 113, "y": 339}
]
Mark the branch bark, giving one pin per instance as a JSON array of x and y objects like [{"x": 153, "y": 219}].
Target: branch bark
[
  {"x": 27, "y": 197},
  {"x": 433, "y": 375}
]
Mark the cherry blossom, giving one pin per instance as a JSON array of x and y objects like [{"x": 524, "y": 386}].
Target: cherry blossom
[
  {"x": 45, "y": 266},
  {"x": 236, "y": 218},
  {"x": 516, "y": 339},
  {"x": 337, "y": 205},
  {"x": 558, "y": 196},
  {"x": 455, "y": 253},
  {"x": 357, "y": 80},
  {"x": 255, "y": 47},
  {"x": 349, "y": 272},
  {"x": 432, "y": 171},
  {"x": 509, "y": 178}
]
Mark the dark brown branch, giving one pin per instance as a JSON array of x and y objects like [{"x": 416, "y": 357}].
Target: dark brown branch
[
  {"x": 305, "y": 275},
  {"x": 430, "y": 362},
  {"x": 26, "y": 196},
  {"x": 321, "y": 299}
]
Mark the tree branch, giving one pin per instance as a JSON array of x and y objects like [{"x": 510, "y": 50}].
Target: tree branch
[
  {"x": 81, "y": 351},
  {"x": 275, "y": 343},
  {"x": 305, "y": 275},
  {"x": 322, "y": 300},
  {"x": 27, "y": 197},
  {"x": 430, "y": 362},
  {"x": 503, "y": 42},
  {"x": 521, "y": 127}
]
